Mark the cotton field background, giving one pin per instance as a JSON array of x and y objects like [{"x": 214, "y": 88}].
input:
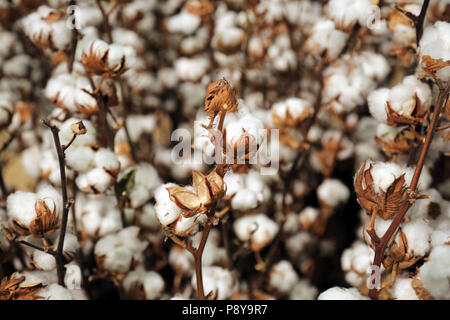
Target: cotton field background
[{"x": 133, "y": 135}]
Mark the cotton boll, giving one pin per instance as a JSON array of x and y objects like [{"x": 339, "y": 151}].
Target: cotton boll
[
  {"x": 20, "y": 206},
  {"x": 283, "y": 277},
  {"x": 418, "y": 234},
  {"x": 106, "y": 159},
  {"x": 337, "y": 293},
  {"x": 43, "y": 261},
  {"x": 346, "y": 13},
  {"x": 403, "y": 290},
  {"x": 333, "y": 192},
  {"x": 98, "y": 179},
  {"x": 54, "y": 291},
  {"x": 184, "y": 22},
  {"x": 147, "y": 218},
  {"x": 181, "y": 260},
  {"x": 191, "y": 69},
  {"x": 30, "y": 161},
  {"x": 303, "y": 290},
  {"x": 218, "y": 280},
  {"x": 146, "y": 181},
  {"x": 326, "y": 38},
  {"x": 80, "y": 158},
  {"x": 258, "y": 228},
  {"x": 167, "y": 211},
  {"x": 435, "y": 273},
  {"x": 151, "y": 282},
  {"x": 435, "y": 43},
  {"x": 99, "y": 216},
  {"x": 355, "y": 261}
]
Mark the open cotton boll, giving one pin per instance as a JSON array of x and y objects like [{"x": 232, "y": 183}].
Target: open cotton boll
[
  {"x": 30, "y": 160},
  {"x": 403, "y": 290},
  {"x": 43, "y": 261},
  {"x": 338, "y": 293},
  {"x": 191, "y": 69},
  {"x": 355, "y": 261},
  {"x": 249, "y": 190},
  {"x": 54, "y": 291},
  {"x": 303, "y": 290},
  {"x": 79, "y": 158},
  {"x": 60, "y": 90},
  {"x": 167, "y": 211},
  {"x": 308, "y": 216},
  {"x": 418, "y": 233},
  {"x": 118, "y": 53},
  {"x": 96, "y": 178},
  {"x": 283, "y": 277},
  {"x": 326, "y": 38},
  {"x": 216, "y": 279},
  {"x": 99, "y": 216},
  {"x": 146, "y": 180},
  {"x": 373, "y": 65},
  {"x": 20, "y": 206},
  {"x": 117, "y": 251},
  {"x": 246, "y": 125},
  {"x": 346, "y": 13},
  {"x": 151, "y": 281},
  {"x": 436, "y": 44},
  {"x": 435, "y": 273},
  {"x": 333, "y": 192},
  {"x": 181, "y": 260},
  {"x": 184, "y": 22},
  {"x": 257, "y": 228},
  {"x": 147, "y": 218},
  {"x": 128, "y": 38},
  {"x": 106, "y": 159}
]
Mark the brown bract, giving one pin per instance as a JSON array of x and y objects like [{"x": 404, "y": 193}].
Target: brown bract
[
  {"x": 386, "y": 204},
  {"x": 430, "y": 66},
  {"x": 208, "y": 189},
  {"x": 289, "y": 120},
  {"x": 46, "y": 221},
  {"x": 401, "y": 144},
  {"x": 418, "y": 115},
  {"x": 202, "y": 8},
  {"x": 10, "y": 289},
  {"x": 220, "y": 96},
  {"x": 98, "y": 64},
  {"x": 420, "y": 290},
  {"x": 398, "y": 254}
]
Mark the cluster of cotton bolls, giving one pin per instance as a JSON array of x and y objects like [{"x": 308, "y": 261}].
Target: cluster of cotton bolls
[{"x": 340, "y": 92}]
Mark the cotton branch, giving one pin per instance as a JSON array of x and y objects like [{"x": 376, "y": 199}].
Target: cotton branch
[
  {"x": 417, "y": 20},
  {"x": 380, "y": 247},
  {"x": 66, "y": 203}
]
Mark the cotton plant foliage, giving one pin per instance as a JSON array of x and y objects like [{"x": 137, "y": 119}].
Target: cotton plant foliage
[{"x": 224, "y": 150}]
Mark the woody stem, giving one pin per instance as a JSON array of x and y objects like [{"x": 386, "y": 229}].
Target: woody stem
[
  {"x": 66, "y": 204},
  {"x": 384, "y": 240}
]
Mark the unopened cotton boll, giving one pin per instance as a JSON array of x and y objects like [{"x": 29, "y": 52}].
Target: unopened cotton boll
[
  {"x": 337, "y": 293},
  {"x": 283, "y": 277},
  {"x": 257, "y": 228},
  {"x": 216, "y": 279},
  {"x": 333, "y": 192}
]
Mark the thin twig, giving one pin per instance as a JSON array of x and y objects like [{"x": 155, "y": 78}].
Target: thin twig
[
  {"x": 384, "y": 240},
  {"x": 66, "y": 203},
  {"x": 74, "y": 40}
]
